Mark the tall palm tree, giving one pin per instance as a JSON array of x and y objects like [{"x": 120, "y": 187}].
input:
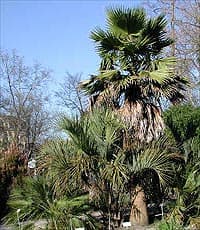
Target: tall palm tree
[{"x": 134, "y": 76}]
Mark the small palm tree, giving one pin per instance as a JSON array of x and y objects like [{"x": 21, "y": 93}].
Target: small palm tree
[
  {"x": 91, "y": 159},
  {"x": 134, "y": 76},
  {"x": 150, "y": 172},
  {"x": 38, "y": 200}
]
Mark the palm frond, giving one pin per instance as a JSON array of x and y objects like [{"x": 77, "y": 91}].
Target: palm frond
[
  {"x": 161, "y": 71},
  {"x": 173, "y": 89},
  {"x": 105, "y": 127},
  {"x": 78, "y": 131},
  {"x": 156, "y": 158},
  {"x": 92, "y": 86},
  {"x": 154, "y": 31},
  {"x": 37, "y": 200},
  {"x": 106, "y": 41},
  {"x": 31, "y": 200},
  {"x": 108, "y": 75},
  {"x": 116, "y": 171},
  {"x": 125, "y": 21}
]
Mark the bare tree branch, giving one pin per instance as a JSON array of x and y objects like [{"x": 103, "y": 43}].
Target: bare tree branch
[{"x": 22, "y": 97}]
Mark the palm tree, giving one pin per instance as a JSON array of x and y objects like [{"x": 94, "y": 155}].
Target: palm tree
[
  {"x": 93, "y": 159},
  {"x": 134, "y": 76},
  {"x": 38, "y": 200},
  {"x": 150, "y": 172}
]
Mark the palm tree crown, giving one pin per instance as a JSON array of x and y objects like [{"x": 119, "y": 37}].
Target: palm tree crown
[{"x": 134, "y": 76}]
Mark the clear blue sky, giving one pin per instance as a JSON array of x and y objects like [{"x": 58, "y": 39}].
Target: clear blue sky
[{"x": 55, "y": 33}]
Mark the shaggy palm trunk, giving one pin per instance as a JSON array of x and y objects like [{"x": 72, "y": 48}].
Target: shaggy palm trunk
[
  {"x": 92, "y": 192},
  {"x": 139, "y": 214},
  {"x": 144, "y": 120}
]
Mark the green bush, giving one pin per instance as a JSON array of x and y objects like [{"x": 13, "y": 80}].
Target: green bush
[
  {"x": 37, "y": 200},
  {"x": 183, "y": 121},
  {"x": 169, "y": 225}
]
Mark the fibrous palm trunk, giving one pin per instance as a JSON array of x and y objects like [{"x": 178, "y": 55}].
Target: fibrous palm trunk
[
  {"x": 143, "y": 119},
  {"x": 139, "y": 214}
]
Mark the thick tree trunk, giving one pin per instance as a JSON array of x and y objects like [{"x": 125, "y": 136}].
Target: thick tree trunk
[
  {"x": 139, "y": 214},
  {"x": 144, "y": 120}
]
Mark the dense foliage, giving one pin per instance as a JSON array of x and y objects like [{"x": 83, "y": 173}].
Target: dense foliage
[
  {"x": 183, "y": 123},
  {"x": 12, "y": 170},
  {"x": 37, "y": 199}
]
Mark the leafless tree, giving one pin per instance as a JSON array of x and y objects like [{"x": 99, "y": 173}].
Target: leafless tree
[
  {"x": 184, "y": 19},
  {"x": 70, "y": 96},
  {"x": 22, "y": 98}
]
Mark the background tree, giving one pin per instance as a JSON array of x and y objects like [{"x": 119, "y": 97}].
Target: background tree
[
  {"x": 23, "y": 99},
  {"x": 184, "y": 28},
  {"x": 70, "y": 96},
  {"x": 24, "y": 119}
]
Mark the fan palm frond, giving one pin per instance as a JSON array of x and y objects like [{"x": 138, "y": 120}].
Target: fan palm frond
[
  {"x": 155, "y": 157},
  {"x": 37, "y": 200},
  {"x": 106, "y": 41},
  {"x": 79, "y": 133},
  {"x": 105, "y": 128},
  {"x": 116, "y": 171},
  {"x": 92, "y": 86},
  {"x": 125, "y": 20}
]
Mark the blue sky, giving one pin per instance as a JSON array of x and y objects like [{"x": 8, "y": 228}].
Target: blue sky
[{"x": 55, "y": 33}]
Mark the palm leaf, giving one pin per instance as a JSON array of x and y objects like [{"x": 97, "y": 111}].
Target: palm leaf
[
  {"x": 115, "y": 171},
  {"x": 155, "y": 157},
  {"x": 92, "y": 86},
  {"x": 37, "y": 200},
  {"x": 125, "y": 21},
  {"x": 108, "y": 75},
  {"x": 106, "y": 41},
  {"x": 161, "y": 71},
  {"x": 154, "y": 31}
]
